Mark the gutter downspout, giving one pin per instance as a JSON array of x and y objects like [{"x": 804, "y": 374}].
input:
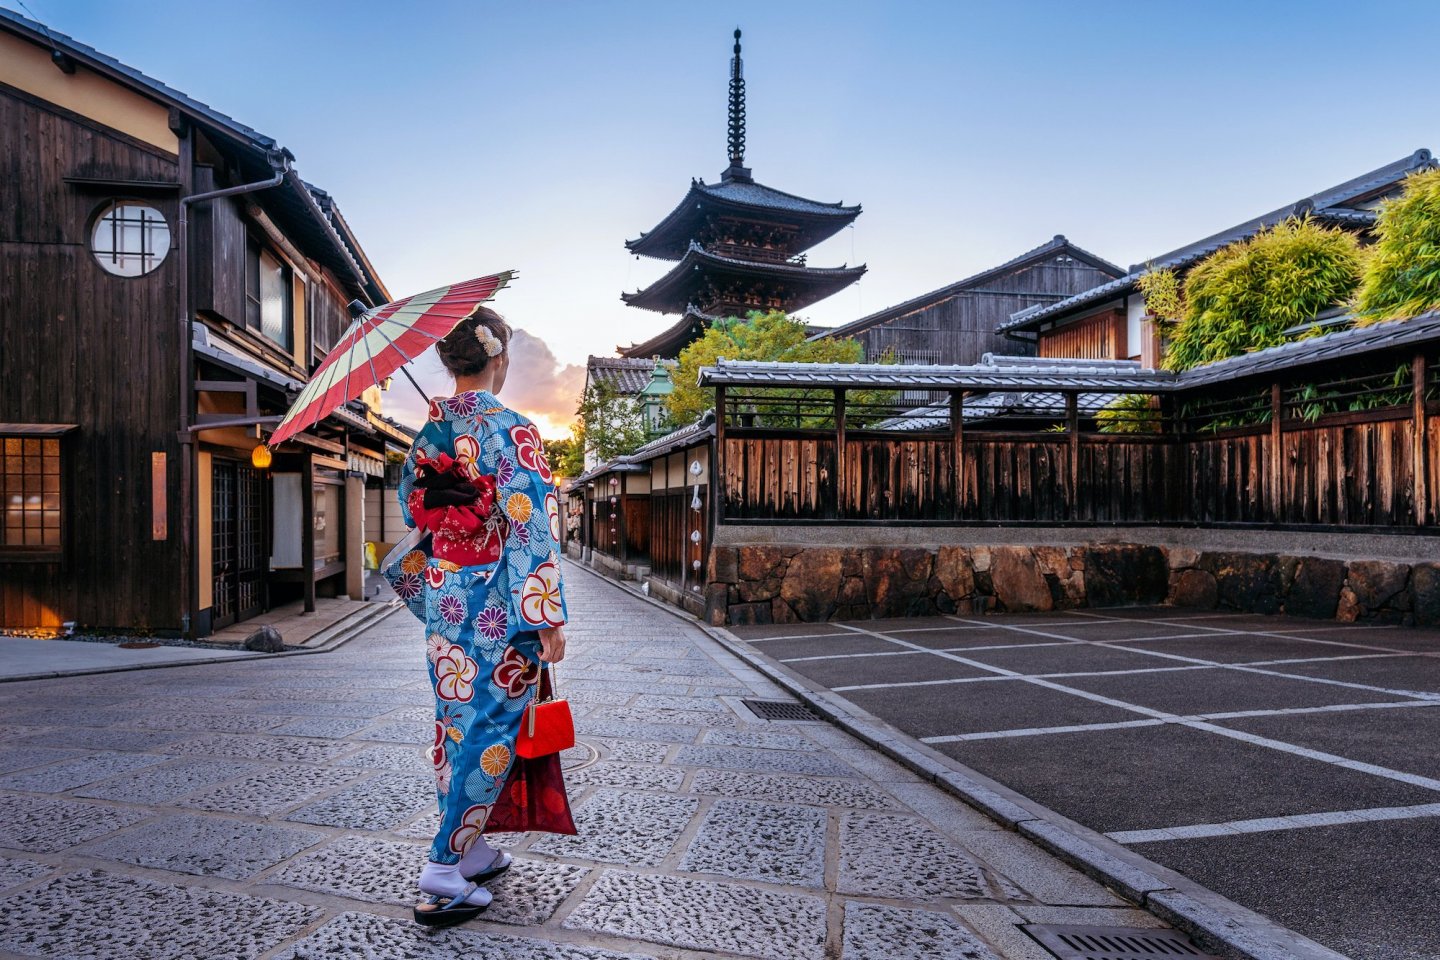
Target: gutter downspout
[{"x": 189, "y": 485}]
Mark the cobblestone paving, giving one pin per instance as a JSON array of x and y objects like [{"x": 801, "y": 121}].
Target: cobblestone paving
[{"x": 279, "y": 809}]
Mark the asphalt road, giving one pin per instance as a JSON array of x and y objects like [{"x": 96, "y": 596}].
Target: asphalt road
[{"x": 1290, "y": 765}]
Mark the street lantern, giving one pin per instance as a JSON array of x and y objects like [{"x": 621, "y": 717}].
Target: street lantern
[{"x": 260, "y": 457}]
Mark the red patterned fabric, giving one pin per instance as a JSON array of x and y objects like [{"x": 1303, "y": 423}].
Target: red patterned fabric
[
  {"x": 533, "y": 797},
  {"x": 467, "y": 532}
]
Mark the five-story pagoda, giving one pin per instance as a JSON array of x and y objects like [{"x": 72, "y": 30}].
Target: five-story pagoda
[{"x": 738, "y": 246}]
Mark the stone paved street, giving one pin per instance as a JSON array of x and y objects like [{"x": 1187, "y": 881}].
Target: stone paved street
[{"x": 280, "y": 809}]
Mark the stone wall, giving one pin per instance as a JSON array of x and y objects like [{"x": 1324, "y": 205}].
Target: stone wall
[{"x": 778, "y": 583}]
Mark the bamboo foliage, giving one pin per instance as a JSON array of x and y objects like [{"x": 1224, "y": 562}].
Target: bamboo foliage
[
  {"x": 1245, "y": 296},
  {"x": 1402, "y": 276}
]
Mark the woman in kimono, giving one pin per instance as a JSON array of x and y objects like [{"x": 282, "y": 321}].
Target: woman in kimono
[{"x": 489, "y": 592}]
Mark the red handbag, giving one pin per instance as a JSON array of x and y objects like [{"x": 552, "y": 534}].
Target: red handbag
[{"x": 546, "y": 726}]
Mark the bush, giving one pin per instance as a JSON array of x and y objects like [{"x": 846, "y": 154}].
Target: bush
[
  {"x": 1164, "y": 299},
  {"x": 1245, "y": 296},
  {"x": 1129, "y": 413},
  {"x": 1402, "y": 276}
]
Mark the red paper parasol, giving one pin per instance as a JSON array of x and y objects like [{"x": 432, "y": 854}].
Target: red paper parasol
[{"x": 379, "y": 342}]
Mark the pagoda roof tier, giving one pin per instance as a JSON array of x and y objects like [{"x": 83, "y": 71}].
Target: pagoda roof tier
[
  {"x": 669, "y": 342},
  {"x": 741, "y": 198},
  {"x": 676, "y": 290}
]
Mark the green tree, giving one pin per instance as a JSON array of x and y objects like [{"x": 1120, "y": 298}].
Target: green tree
[
  {"x": 567, "y": 454},
  {"x": 760, "y": 336},
  {"x": 1402, "y": 274},
  {"x": 610, "y": 424},
  {"x": 1244, "y": 297}
]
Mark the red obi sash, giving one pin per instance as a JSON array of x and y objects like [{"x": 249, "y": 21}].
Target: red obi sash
[{"x": 456, "y": 504}]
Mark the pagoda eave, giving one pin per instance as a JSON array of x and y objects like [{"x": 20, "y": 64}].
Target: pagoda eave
[
  {"x": 669, "y": 342},
  {"x": 811, "y": 221}
]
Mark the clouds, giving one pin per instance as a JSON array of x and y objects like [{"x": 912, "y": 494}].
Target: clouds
[{"x": 538, "y": 385}]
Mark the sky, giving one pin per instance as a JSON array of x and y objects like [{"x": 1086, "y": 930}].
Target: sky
[{"x": 462, "y": 138}]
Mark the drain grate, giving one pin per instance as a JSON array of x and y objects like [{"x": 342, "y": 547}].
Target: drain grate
[
  {"x": 780, "y": 710},
  {"x": 1070, "y": 942}
]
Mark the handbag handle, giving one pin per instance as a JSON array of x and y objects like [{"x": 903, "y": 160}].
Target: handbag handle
[{"x": 530, "y": 708}]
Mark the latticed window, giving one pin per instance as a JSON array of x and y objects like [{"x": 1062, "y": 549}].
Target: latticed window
[
  {"x": 31, "y": 493},
  {"x": 917, "y": 355},
  {"x": 130, "y": 239}
]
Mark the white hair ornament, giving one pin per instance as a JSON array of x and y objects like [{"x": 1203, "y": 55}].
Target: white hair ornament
[{"x": 488, "y": 341}]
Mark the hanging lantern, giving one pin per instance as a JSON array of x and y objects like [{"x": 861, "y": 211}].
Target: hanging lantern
[
  {"x": 694, "y": 536},
  {"x": 260, "y": 457},
  {"x": 695, "y": 503},
  {"x": 695, "y": 468},
  {"x": 695, "y": 564}
]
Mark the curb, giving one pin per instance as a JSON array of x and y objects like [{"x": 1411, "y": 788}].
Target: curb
[
  {"x": 1216, "y": 923},
  {"x": 334, "y": 637}
]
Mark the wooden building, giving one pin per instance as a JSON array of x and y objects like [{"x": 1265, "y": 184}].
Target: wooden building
[
  {"x": 738, "y": 246},
  {"x": 1107, "y": 321},
  {"x": 957, "y": 323},
  {"x": 167, "y": 283}
]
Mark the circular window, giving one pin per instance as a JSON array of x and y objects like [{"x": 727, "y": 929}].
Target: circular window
[{"x": 130, "y": 239}]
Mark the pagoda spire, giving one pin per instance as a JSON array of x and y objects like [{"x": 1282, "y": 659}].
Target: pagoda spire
[{"x": 737, "y": 169}]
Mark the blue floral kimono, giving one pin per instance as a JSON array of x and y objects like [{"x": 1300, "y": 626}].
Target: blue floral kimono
[{"x": 480, "y": 620}]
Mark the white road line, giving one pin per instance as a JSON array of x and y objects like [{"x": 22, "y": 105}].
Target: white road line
[
  {"x": 1041, "y": 731},
  {"x": 1294, "y": 821},
  {"x": 995, "y": 646},
  {"x": 1124, "y": 724},
  {"x": 1277, "y": 745}
]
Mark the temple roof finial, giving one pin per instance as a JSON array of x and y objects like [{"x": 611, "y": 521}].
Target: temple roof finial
[{"x": 737, "y": 116}]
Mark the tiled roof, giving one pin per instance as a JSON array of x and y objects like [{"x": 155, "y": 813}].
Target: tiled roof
[
  {"x": 755, "y": 194},
  {"x": 625, "y": 374},
  {"x": 1333, "y": 203},
  {"x": 680, "y": 437},
  {"x": 1114, "y": 376},
  {"x": 1054, "y": 247}
]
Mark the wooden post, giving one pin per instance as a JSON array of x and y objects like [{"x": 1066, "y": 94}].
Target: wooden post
[
  {"x": 1072, "y": 426},
  {"x": 957, "y": 440},
  {"x": 307, "y": 526},
  {"x": 1273, "y": 461},
  {"x": 623, "y": 546},
  {"x": 839, "y": 452},
  {"x": 355, "y": 535},
  {"x": 719, "y": 494},
  {"x": 1419, "y": 442}
]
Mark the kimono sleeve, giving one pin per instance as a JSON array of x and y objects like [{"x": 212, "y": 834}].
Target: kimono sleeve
[
  {"x": 424, "y": 446},
  {"x": 532, "y": 503}
]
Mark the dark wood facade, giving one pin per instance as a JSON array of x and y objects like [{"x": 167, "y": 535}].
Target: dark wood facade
[
  {"x": 957, "y": 323},
  {"x": 157, "y": 386},
  {"x": 81, "y": 347}
]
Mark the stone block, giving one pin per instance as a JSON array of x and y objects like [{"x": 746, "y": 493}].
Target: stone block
[
  {"x": 770, "y": 761},
  {"x": 1181, "y": 558},
  {"x": 1244, "y": 581},
  {"x": 680, "y": 912},
  {"x": 60, "y": 777},
  {"x": 1378, "y": 585},
  {"x": 622, "y": 827},
  {"x": 1315, "y": 588},
  {"x": 812, "y": 583},
  {"x": 207, "y": 846},
  {"x": 749, "y": 614},
  {"x": 877, "y": 932},
  {"x": 363, "y": 936},
  {"x": 897, "y": 581},
  {"x": 1018, "y": 583},
  {"x": 1348, "y": 610},
  {"x": 767, "y": 842},
  {"x": 934, "y": 869},
  {"x": 269, "y": 792},
  {"x": 107, "y": 915},
  {"x": 635, "y": 776},
  {"x": 166, "y": 784},
  {"x": 1120, "y": 574},
  {"x": 724, "y": 565},
  {"x": 265, "y": 640},
  {"x": 49, "y": 824},
  {"x": 1194, "y": 588},
  {"x": 955, "y": 572},
  {"x": 780, "y": 788},
  {"x": 15, "y": 872},
  {"x": 780, "y": 612},
  {"x": 377, "y": 804},
  {"x": 716, "y": 600},
  {"x": 1425, "y": 593},
  {"x": 759, "y": 562}
]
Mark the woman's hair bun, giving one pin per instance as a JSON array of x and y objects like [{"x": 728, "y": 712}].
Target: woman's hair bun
[{"x": 477, "y": 339}]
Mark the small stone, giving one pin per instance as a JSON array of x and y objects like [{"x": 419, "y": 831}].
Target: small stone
[
  {"x": 265, "y": 640},
  {"x": 1181, "y": 558},
  {"x": 1348, "y": 610}
]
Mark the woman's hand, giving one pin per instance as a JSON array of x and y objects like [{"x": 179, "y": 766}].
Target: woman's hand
[{"x": 552, "y": 644}]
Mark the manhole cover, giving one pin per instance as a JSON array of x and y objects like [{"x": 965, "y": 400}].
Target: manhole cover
[
  {"x": 138, "y": 645},
  {"x": 578, "y": 757},
  {"x": 1069, "y": 942},
  {"x": 780, "y": 710}
]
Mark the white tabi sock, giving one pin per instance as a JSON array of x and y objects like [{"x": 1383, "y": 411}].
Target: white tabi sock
[
  {"x": 479, "y": 857},
  {"x": 445, "y": 880}
]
